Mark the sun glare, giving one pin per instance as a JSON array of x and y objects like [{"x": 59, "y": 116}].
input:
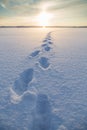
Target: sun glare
[{"x": 44, "y": 18}]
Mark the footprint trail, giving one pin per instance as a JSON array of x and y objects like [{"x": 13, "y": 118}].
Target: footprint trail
[
  {"x": 47, "y": 42},
  {"x": 21, "y": 84},
  {"x": 43, "y": 117},
  {"x": 46, "y": 46}
]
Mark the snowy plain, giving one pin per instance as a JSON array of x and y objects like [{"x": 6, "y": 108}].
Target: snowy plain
[{"x": 43, "y": 79}]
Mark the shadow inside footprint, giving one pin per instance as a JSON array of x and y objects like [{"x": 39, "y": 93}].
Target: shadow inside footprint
[
  {"x": 50, "y": 42},
  {"x": 21, "y": 84},
  {"x": 44, "y": 62},
  {"x": 45, "y": 40},
  {"x": 42, "y": 117},
  {"x": 35, "y": 53},
  {"x": 47, "y": 48},
  {"x": 43, "y": 45}
]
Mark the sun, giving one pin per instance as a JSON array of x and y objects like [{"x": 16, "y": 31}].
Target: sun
[{"x": 44, "y": 18}]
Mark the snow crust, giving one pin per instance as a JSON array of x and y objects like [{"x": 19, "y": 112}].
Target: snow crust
[{"x": 43, "y": 79}]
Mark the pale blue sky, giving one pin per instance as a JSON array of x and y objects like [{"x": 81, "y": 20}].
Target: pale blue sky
[{"x": 24, "y": 12}]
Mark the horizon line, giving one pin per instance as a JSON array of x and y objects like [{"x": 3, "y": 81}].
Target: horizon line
[{"x": 23, "y": 26}]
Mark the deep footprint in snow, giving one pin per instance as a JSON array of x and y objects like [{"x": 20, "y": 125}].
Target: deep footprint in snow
[
  {"x": 47, "y": 48},
  {"x": 21, "y": 84},
  {"x": 35, "y": 53},
  {"x": 43, "y": 45},
  {"x": 50, "y": 42},
  {"x": 44, "y": 63},
  {"x": 42, "y": 116}
]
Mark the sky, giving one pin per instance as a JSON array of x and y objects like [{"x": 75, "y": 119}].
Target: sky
[{"x": 43, "y": 12}]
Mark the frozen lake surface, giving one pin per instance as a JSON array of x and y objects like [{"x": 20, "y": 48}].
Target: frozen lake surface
[{"x": 43, "y": 79}]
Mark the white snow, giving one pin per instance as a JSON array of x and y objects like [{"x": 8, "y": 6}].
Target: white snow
[{"x": 43, "y": 79}]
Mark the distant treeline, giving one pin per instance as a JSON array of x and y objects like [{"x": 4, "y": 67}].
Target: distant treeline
[{"x": 43, "y": 26}]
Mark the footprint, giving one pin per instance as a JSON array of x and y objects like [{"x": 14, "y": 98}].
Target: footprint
[
  {"x": 42, "y": 116},
  {"x": 43, "y": 45},
  {"x": 35, "y": 53},
  {"x": 47, "y": 48},
  {"x": 45, "y": 40},
  {"x": 21, "y": 84},
  {"x": 50, "y": 42},
  {"x": 44, "y": 62}
]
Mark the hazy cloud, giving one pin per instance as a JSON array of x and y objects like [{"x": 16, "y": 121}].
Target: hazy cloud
[
  {"x": 67, "y": 9},
  {"x": 31, "y": 6}
]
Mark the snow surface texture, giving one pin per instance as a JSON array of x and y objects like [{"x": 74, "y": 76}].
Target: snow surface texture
[{"x": 47, "y": 90}]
